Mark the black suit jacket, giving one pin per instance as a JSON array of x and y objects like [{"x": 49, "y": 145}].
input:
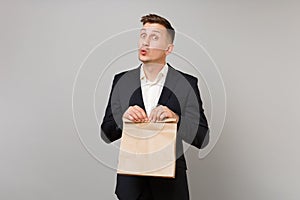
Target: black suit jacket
[{"x": 180, "y": 94}]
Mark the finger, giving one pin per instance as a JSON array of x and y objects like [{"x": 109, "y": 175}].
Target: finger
[
  {"x": 132, "y": 114},
  {"x": 141, "y": 111},
  {"x": 169, "y": 114},
  {"x": 165, "y": 114},
  {"x": 160, "y": 114},
  {"x": 127, "y": 116},
  {"x": 152, "y": 116},
  {"x": 138, "y": 113},
  {"x": 176, "y": 117}
]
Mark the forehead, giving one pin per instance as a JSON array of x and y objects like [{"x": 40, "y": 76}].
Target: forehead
[{"x": 154, "y": 27}]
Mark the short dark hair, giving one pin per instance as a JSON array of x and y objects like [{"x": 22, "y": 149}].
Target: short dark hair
[{"x": 153, "y": 18}]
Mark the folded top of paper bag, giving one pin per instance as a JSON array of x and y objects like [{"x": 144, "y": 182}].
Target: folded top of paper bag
[{"x": 167, "y": 120}]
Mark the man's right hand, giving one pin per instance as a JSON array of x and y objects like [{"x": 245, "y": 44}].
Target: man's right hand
[{"x": 135, "y": 114}]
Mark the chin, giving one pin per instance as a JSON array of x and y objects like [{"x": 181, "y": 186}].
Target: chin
[{"x": 143, "y": 59}]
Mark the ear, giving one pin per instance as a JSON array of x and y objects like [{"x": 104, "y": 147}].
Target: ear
[{"x": 169, "y": 49}]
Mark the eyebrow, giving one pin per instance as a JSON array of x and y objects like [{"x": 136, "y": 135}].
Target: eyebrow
[{"x": 156, "y": 31}]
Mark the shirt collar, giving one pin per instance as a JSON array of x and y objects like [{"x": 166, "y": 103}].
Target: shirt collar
[{"x": 162, "y": 74}]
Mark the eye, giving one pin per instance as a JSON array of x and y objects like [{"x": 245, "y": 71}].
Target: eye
[
  {"x": 155, "y": 37},
  {"x": 143, "y": 35}
]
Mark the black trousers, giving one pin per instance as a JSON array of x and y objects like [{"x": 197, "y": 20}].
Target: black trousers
[{"x": 153, "y": 188}]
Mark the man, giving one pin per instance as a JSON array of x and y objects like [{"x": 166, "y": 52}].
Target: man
[{"x": 155, "y": 91}]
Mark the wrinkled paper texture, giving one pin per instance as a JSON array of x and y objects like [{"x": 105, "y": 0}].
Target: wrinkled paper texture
[{"x": 148, "y": 149}]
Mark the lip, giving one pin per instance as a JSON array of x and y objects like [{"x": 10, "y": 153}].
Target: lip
[{"x": 143, "y": 52}]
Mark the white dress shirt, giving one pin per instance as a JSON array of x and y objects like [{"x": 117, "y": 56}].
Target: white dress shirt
[{"x": 151, "y": 90}]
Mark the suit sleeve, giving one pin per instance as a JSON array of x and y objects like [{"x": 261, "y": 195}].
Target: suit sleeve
[
  {"x": 110, "y": 130},
  {"x": 193, "y": 126}
]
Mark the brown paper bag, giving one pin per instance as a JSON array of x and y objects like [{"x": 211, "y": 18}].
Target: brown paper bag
[{"x": 148, "y": 149}]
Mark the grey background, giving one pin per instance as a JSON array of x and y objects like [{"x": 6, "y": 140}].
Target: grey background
[{"x": 255, "y": 44}]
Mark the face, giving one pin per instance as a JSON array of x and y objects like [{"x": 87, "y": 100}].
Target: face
[{"x": 154, "y": 43}]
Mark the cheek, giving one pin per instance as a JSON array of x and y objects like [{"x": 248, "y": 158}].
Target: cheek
[
  {"x": 161, "y": 45},
  {"x": 157, "y": 45},
  {"x": 140, "y": 42},
  {"x": 156, "y": 53}
]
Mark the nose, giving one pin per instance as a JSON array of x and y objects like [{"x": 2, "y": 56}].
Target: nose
[{"x": 146, "y": 41}]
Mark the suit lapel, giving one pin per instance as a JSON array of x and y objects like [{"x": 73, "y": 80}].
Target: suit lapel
[
  {"x": 164, "y": 97},
  {"x": 137, "y": 97},
  {"x": 169, "y": 86}
]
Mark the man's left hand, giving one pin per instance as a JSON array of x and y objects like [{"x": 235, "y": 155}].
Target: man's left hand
[{"x": 162, "y": 112}]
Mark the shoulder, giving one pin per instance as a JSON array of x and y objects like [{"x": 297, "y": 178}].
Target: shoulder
[
  {"x": 190, "y": 78},
  {"x": 127, "y": 72},
  {"x": 119, "y": 75}
]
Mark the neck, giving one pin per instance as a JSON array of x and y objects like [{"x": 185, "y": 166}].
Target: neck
[{"x": 151, "y": 70}]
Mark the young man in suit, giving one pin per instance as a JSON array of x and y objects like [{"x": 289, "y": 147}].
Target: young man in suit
[{"x": 155, "y": 91}]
